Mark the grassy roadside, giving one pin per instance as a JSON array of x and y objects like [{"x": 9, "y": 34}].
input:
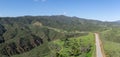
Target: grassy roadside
[
  {"x": 111, "y": 42},
  {"x": 74, "y": 47}
]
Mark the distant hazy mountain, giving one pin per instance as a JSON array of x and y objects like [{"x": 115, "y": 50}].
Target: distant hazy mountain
[{"x": 118, "y": 21}]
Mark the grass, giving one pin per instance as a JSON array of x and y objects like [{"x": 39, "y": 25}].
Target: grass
[
  {"x": 112, "y": 49},
  {"x": 78, "y": 42},
  {"x": 111, "y": 42}
]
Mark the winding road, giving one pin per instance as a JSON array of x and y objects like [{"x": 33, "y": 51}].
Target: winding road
[{"x": 99, "y": 52}]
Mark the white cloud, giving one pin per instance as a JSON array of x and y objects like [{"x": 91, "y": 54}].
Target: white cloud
[{"x": 64, "y": 13}]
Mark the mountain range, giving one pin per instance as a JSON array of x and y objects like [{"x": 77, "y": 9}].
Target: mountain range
[{"x": 19, "y": 35}]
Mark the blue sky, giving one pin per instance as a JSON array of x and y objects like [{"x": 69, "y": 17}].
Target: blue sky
[{"x": 105, "y": 10}]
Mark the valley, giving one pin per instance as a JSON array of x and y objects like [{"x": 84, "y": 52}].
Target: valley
[{"x": 57, "y": 36}]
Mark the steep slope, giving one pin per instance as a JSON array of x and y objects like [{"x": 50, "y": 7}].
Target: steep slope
[
  {"x": 2, "y": 31},
  {"x": 82, "y": 46},
  {"x": 22, "y": 34}
]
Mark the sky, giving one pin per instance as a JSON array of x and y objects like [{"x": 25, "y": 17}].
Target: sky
[{"x": 104, "y": 10}]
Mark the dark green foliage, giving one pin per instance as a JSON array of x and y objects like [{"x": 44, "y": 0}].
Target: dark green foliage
[
  {"x": 20, "y": 39},
  {"x": 2, "y": 31}
]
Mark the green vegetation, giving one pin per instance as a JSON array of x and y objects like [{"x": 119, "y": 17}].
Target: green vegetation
[
  {"x": 39, "y": 36},
  {"x": 23, "y": 34},
  {"x": 111, "y": 42},
  {"x": 73, "y": 47},
  {"x": 82, "y": 46},
  {"x": 40, "y": 51}
]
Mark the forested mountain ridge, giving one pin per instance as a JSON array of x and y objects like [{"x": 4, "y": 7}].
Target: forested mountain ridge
[
  {"x": 22, "y": 34},
  {"x": 58, "y": 21}
]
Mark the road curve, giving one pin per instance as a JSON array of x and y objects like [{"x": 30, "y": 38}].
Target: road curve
[{"x": 98, "y": 46}]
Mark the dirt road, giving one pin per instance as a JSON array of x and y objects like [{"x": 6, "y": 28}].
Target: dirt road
[{"x": 99, "y": 52}]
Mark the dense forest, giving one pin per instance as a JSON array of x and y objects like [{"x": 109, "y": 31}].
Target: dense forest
[{"x": 26, "y": 34}]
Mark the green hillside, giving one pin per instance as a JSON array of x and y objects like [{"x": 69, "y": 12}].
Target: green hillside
[
  {"x": 26, "y": 35},
  {"x": 111, "y": 42},
  {"x": 82, "y": 46}
]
